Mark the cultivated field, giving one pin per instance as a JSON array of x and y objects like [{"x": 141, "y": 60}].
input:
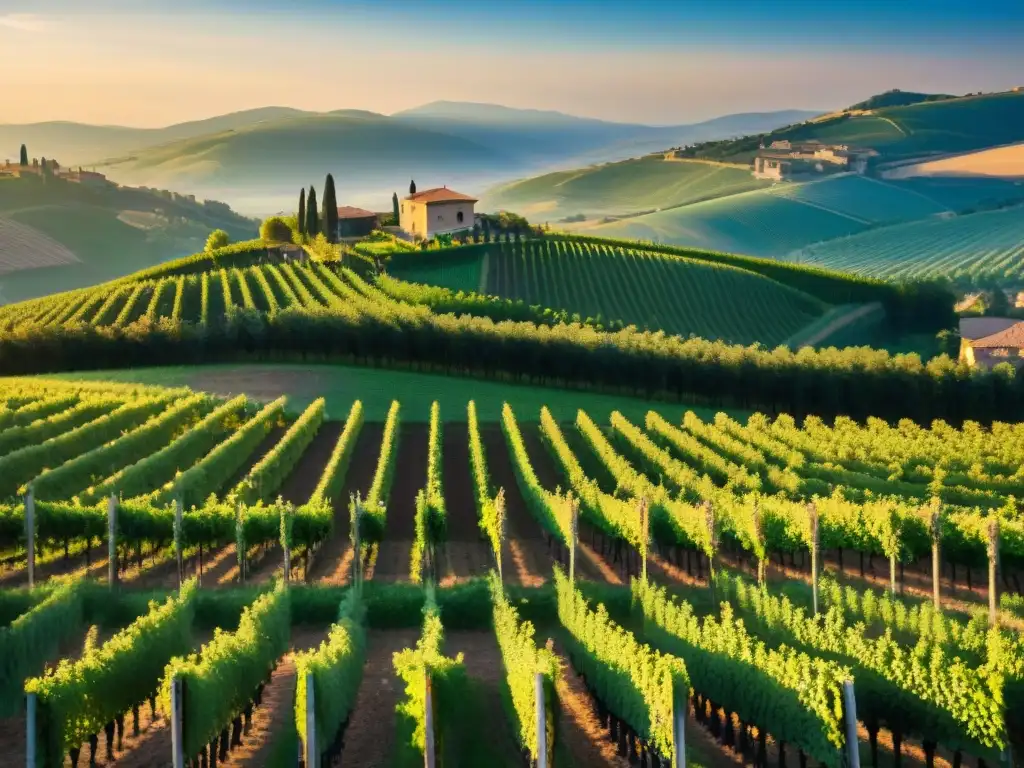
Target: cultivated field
[
  {"x": 986, "y": 245},
  {"x": 644, "y": 288},
  {"x": 22, "y": 247},
  {"x": 445, "y": 502},
  {"x": 1000, "y": 162}
]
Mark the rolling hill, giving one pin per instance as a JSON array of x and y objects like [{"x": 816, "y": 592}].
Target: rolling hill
[
  {"x": 258, "y": 159},
  {"x": 58, "y": 235},
  {"x": 637, "y": 287},
  {"x": 899, "y": 133},
  {"x": 629, "y": 186}
]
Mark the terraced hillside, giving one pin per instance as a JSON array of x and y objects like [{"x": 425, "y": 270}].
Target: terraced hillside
[
  {"x": 642, "y": 288},
  {"x": 630, "y": 186},
  {"x": 984, "y": 245},
  {"x": 285, "y": 633}
]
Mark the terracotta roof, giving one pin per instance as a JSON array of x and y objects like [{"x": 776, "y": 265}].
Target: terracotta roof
[
  {"x": 350, "y": 212},
  {"x": 440, "y": 195},
  {"x": 972, "y": 328},
  {"x": 1011, "y": 337}
]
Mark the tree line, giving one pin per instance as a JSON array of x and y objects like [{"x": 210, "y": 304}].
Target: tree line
[{"x": 857, "y": 381}]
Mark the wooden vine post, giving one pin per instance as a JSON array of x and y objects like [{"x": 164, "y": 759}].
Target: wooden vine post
[
  {"x": 178, "y": 553},
  {"x": 500, "y": 519},
  {"x": 993, "y": 572},
  {"x": 428, "y": 722},
  {"x": 30, "y": 535},
  {"x": 679, "y": 709},
  {"x": 31, "y": 735},
  {"x": 310, "y": 755},
  {"x": 574, "y": 511},
  {"x": 112, "y": 541},
  {"x": 850, "y": 715},
  {"x": 177, "y": 722},
  {"x": 541, "y": 720},
  {"x": 645, "y": 535},
  {"x": 936, "y": 531},
  {"x": 812, "y": 512}
]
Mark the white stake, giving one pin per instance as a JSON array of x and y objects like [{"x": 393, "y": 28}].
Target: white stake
[
  {"x": 428, "y": 719},
  {"x": 30, "y": 730},
  {"x": 542, "y": 722},
  {"x": 679, "y": 731},
  {"x": 312, "y": 758},
  {"x": 852, "y": 745},
  {"x": 177, "y": 726}
]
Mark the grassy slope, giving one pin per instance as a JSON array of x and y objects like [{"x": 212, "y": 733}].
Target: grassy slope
[
  {"x": 85, "y": 220},
  {"x": 679, "y": 296},
  {"x": 755, "y": 223},
  {"x": 618, "y": 188},
  {"x": 340, "y": 385}
]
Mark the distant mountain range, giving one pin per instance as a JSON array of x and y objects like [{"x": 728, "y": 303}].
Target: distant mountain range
[{"x": 258, "y": 159}]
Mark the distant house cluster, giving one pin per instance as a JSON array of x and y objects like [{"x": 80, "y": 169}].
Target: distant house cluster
[
  {"x": 988, "y": 341},
  {"x": 38, "y": 169},
  {"x": 786, "y": 160}
]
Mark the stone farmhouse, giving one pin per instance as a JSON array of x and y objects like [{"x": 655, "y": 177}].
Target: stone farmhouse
[
  {"x": 54, "y": 169},
  {"x": 785, "y": 160},
  {"x": 437, "y": 211},
  {"x": 987, "y": 341}
]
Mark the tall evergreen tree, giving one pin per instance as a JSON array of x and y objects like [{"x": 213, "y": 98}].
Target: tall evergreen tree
[
  {"x": 329, "y": 220},
  {"x": 24, "y": 155},
  {"x": 312, "y": 222},
  {"x": 412, "y": 187},
  {"x": 302, "y": 211},
  {"x": 394, "y": 207}
]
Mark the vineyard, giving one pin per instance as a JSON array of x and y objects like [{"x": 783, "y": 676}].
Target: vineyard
[
  {"x": 185, "y": 575},
  {"x": 639, "y": 287},
  {"x": 976, "y": 246}
]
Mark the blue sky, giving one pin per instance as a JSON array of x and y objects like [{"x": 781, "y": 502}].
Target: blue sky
[{"x": 153, "y": 62}]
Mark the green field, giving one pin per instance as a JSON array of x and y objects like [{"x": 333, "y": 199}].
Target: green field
[
  {"x": 648, "y": 289},
  {"x": 376, "y": 388},
  {"x": 756, "y": 223},
  {"x": 980, "y": 245},
  {"x": 630, "y": 186},
  {"x": 863, "y": 198}
]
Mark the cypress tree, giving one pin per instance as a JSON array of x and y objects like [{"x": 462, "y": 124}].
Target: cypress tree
[
  {"x": 394, "y": 207},
  {"x": 312, "y": 223},
  {"x": 302, "y": 211},
  {"x": 412, "y": 187},
  {"x": 329, "y": 220},
  {"x": 24, "y": 155}
]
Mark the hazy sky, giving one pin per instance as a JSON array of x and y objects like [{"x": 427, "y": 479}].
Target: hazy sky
[{"x": 156, "y": 62}]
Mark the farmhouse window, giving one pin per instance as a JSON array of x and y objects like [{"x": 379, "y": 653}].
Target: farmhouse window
[{"x": 459, "y": 217}]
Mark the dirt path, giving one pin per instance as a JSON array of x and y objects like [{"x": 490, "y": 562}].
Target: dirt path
[
  {"x": 839, "y": 322},
  {"x": 585, "y": 740},
  {"x": 54, "y": 564},
  {"x": 371, "y": 729},
  {"x": 525, "y": 556},
  {"x": 589, "y": 562},
  {"x": 393, "y": 556},
  {"x": 300, "y": 484},
  {"x": 276, "y": 707},
  {"x": 482, "y": 659},
  {"x": 467, "y": 553}
]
